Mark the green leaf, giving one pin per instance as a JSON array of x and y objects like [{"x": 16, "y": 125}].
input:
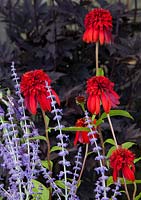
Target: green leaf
[
  {"x": 110, "y": 181},
  {"x": 45, "y": 163},
  {"x": 44, "y": 192},
  {"x": 47, "y": 120},
  {"x": 93, "y": 117},
  {"x": 110, "y": 151},
  {"x": 138, "y": 197},
  {"x": 129, "y": 182},
  {"x": 128, "y": 145},
  {"x": 138, "y": 181},
  {"x": 100, "y": 72},
  {"x": 74, "y": 128},
  {"x": 89, "y": 153},
  {"x": 40, "y": 137},
  {"x": 55, "y": 148},
  {"x": 117, "y": 113},
  {"x": 99, "y": 121},
  {"x": 60, "y": 184},
  {"x": 137, "y": 160},
  {"x": 110, "y": 141}
]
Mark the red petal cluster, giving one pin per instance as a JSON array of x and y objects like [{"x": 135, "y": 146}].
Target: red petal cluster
[
  {"x": 100, "y": 90},
  {"x": 98, "y": 25},
  {"x": 82, "y": 136},
  {"x": 34, "y": 91},
  {"x": 123, "y": 160}
]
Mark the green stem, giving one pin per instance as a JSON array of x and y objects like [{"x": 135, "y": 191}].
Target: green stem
[
  {"x": 47, "y": 138},
  {"x": 48, "y": 149}
]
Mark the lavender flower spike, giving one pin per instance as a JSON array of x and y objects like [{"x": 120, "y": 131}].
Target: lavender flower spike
[
  {"x": 77, "y": 167},
  {"x": 61, "y": 137},
  {"x": 101, "y": 189}
]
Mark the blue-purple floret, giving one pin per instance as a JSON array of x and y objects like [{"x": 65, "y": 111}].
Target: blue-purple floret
[{"x": 116, "y": 190}]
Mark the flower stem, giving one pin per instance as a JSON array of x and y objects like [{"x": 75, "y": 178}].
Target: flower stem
[
  {"x": 48, "y": 149},
  {"x": 126, "y": 189},
  {"x": 84, "y": 161},
  {"x": 135, "y": 190},
  {"x": 96, "y": 56},
  {"x": 47, "y": 139},
  {"x": 112, "y": 130}
]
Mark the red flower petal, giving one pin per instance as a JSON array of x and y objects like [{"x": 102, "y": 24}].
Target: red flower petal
[
  {"x": 85, "y": 138},
  {"x": 105, "y": 102},
  {"x": 101, "y": 36},
  {"x": 56, "y": 97},
  {"x": 115, "y": 175},
  {"x": 31, "y": 103},
  {"x": 44, "y": 102},
  {"x": 128, "y": 173},
  {"x": 88, "y": 35},
  {"x": 76, "y": 138},
  {"x": 97, "y": 107},
  {"x": 107, "y": 36},
  {"x": 95, "y": 35},
  {"x": 91, "y": 103}
]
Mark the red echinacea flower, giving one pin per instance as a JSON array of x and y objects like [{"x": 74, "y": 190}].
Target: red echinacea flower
[
  {"x": 123, "y": 160},
  {"x": 82, "y": 136},
  {"x": 100, "y": 91},
  {"x": 98, "y": 25},
  {"x": 33, "y": 88}
]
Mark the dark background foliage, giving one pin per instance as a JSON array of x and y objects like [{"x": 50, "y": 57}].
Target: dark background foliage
[{"x": 49, "y": 36}]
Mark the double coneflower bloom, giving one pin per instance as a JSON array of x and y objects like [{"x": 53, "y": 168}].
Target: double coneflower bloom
[
  {"x": 33, "y": 88},
  {"x": 123, "y": 160},
  {"x": 82, "y": 136},
  {"x": 100, "y": 91},
  {"x": 98, "y": 26}
]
